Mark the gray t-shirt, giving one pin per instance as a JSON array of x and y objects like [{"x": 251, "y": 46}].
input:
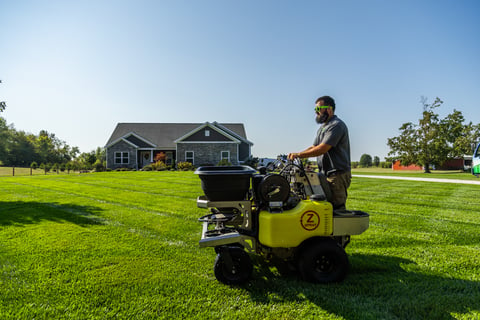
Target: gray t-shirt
[{"x": 334, "y": 133}]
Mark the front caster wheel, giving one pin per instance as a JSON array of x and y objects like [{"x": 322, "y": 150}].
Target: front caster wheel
[
  {"x": 323, "y": 262},
  {"x": 232, "y": 265}
]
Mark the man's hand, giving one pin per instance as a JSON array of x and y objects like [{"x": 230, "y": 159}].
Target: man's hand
[{"x": 292, "y": 156}]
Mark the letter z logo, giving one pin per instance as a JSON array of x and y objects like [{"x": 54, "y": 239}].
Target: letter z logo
[{"x": 310, "y": 220}]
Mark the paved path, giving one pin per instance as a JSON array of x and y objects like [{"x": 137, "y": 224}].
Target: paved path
[{"x": 420, "y": 179}]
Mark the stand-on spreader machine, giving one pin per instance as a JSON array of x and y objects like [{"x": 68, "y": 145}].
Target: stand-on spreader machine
[{"x": 285, "y": 218}]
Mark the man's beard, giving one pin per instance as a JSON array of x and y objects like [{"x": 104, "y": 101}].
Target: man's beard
[{"x": 321, "y": 118}]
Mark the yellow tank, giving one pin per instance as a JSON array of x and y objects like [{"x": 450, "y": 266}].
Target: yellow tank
[{"x": 292, "y": 227}]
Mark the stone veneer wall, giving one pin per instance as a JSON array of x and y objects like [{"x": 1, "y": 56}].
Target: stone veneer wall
[
  {"x": 121, "y": 146},
  {"x": 207, "y": 153}
]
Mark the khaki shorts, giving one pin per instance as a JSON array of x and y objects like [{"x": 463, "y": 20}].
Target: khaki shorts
[{"x": 339, "y": 184}]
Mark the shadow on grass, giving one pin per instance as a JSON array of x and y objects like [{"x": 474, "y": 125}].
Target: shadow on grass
[
  {"x": 23, "y": 213},
  {"x": 377, "y": 287}
]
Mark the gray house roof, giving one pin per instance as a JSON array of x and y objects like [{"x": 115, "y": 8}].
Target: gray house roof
[{"x": 164, "y": 135}]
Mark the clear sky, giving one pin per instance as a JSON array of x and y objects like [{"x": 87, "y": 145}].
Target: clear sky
[{"x": 77, "y": 68}]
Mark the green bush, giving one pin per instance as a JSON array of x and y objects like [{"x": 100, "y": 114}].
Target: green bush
[
  {"x": 45, "y": 167},
  {"x": 224, "y": 162},
  {"x": 159, "y": 166},
  {"x": 99, "y": 166},
  {"x": 185, "y": 166},
  {"x": 386, "y": 164}
]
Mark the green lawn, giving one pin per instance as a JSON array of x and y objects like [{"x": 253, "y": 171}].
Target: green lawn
[
  {"x": 125, "y": 245},
  {"x": 442, "y": 174}
]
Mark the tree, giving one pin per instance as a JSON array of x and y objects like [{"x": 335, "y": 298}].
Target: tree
[
  {"x": 376, "y": 161},
  {"x": 20, "y": 149},
  {"x": 424, "y": 143},
  {"x": 3, "y": 105},
  {"x": 4, "y": 138},
  {"x": 86, "y": 160},
  {"x": 460, "y": 138},
  {"x": 366, "y": 160},
  {"x": 432, "y": 141}
]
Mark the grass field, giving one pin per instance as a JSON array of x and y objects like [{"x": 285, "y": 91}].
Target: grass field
[
  {"x": 442, "y": 174},
  {"x": 125, "y": 245}
]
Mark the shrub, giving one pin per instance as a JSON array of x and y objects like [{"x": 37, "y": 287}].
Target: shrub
[
  {"x": 124, "y": 169},
  {"x": 224, "y": 162},
  {"x": 99, "y": 166},
  {"x": 185, "y": 166},
  {"x": 386, "y": 164},
  {"x": 159, "y": 166},
  {"x": 147, "y": 168},
  {"x": 46, "y": 167}
]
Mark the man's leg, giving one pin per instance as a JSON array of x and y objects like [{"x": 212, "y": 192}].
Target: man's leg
[{"x": 339, "y": 184}]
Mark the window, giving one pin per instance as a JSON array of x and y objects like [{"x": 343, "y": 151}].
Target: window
[
  {"x": 207, "y": 133},
  {"x": 121, "y": 157},
  {"x": 189, "y": 156},
  {"x": 225, "y": 155}
]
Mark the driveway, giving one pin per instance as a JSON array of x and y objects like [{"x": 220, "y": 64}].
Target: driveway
[{"x": 419, "y": 179}]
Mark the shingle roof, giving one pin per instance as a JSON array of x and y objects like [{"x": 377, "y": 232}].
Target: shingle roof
[{"x": 164, "y": 134}]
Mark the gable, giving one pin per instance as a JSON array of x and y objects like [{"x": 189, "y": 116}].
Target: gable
[
  {"x": 139, "y": 142},
  {"x": 207, "y": 133}
]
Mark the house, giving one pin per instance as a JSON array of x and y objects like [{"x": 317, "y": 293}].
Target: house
[{"x": 135, "y": 145}]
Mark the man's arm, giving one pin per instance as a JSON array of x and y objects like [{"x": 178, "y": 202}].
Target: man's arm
[{"x": 313, "y": 151}]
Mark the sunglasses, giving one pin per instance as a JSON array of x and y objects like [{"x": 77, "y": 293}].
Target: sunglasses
[{"x": 318, "y": 108}]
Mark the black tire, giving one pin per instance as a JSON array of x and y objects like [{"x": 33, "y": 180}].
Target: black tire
[
  {"x": 240, "y": 271},
  {"x": 323, "y": 262}
]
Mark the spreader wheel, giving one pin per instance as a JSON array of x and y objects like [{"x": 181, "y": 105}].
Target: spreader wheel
[
  {"x": 232, "y": 265},
  {"x": 323, "y": 262}
]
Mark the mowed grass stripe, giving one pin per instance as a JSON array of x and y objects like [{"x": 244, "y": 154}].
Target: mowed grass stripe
[
  {"x": 128, "y": 198},
  {"x": 111, "y": 212},
  {"x": 432, "y": 196},
  {"x": 147, "y": 183}
]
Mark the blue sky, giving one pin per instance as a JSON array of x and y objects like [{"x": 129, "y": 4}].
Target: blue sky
[{"x": 77, "y": 68}]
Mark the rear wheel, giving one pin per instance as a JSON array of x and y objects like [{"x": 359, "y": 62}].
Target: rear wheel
[
  {"x": 232, "y": 265},
  {"x": 323, "y": 262}
]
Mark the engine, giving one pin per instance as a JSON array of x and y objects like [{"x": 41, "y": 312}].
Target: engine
[{"x": 281, "y": 191}]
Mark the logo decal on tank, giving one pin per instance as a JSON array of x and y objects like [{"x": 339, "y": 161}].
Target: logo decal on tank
[{"x": 310, "y": 220}]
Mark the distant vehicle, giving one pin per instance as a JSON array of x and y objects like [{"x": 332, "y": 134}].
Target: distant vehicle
[{"x": 476, "y": 161}]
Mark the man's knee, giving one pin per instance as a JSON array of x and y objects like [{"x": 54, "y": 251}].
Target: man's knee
[{"x": 339, "y": 184}]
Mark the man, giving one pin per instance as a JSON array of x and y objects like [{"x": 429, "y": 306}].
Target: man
[{"x": 332, "y": 149}]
